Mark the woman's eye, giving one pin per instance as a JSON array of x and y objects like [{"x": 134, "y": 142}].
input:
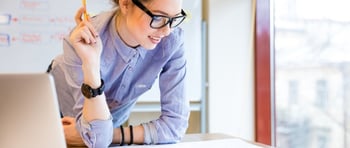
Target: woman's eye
[{"x": 157, "y": 18}]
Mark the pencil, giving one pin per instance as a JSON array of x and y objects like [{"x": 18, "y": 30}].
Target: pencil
[{"x": 85, "y": 12}]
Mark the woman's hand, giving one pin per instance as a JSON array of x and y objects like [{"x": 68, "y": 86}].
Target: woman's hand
[
  {"x": 88, "y": 46},
  {"x": 71, "y": 134},
  {"x": 85, "y": 40}
]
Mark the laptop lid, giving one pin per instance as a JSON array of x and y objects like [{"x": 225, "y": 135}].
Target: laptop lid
[{"x": 29, "y": 112}]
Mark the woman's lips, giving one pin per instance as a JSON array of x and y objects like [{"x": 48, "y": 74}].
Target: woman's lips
[{"x": 155, "y": 40}]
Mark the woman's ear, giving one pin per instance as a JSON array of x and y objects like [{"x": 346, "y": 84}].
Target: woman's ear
[{"x": 124, "y": 5}]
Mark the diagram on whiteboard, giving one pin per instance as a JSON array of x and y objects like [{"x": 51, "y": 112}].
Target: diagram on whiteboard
[{"x": 31, "y": 33}]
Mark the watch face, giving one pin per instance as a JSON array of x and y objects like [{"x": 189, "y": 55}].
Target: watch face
[
  {"x": 89, "y": 92},
  {"x": 86, "y": 90}
]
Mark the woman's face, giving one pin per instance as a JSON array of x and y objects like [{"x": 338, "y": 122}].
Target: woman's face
[{"x": 138, "y": 22}]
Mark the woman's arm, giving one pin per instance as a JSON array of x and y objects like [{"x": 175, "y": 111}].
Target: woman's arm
[
  {"x": 94, "y": 122},
  {"x": 137, "y": 133},
  {"x": 173, "y": 122},
  {"x": 88, "y": 46},
  {"x": 73, "y": 137}
]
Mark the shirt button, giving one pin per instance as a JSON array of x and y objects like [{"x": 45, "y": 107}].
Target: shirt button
[
  {"x": 130, "y": 68},
  {"x": 123, "y": 86}
]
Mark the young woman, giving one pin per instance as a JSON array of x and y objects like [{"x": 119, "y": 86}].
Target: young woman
[{"x": 110, "y": 60}]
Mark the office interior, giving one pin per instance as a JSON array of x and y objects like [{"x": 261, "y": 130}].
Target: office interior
[{"x": 239, "y": 82}]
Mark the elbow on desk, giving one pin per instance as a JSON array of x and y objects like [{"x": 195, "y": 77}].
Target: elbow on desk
[
  {"x": 96, "y": 140},
  {"x": 97, "y": 134}
]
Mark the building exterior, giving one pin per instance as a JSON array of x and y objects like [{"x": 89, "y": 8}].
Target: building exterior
[{"x": 312, "y": 75}]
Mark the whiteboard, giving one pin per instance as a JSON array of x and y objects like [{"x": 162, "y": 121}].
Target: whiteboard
[{"x": 31, "y": 33}]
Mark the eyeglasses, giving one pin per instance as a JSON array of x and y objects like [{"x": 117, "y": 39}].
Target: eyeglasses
[{"x": 159, "y": 21}]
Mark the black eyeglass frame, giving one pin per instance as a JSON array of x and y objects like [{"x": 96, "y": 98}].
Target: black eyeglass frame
[{"x": 170, "y": 19}]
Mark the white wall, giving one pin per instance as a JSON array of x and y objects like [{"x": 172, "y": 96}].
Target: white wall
[{"x": 230, "y": 67}]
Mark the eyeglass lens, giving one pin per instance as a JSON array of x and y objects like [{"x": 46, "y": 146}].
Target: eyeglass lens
[{"x": 161, "y": 21}]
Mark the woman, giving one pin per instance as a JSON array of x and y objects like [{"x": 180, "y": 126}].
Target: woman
[{"x": 110, "y": 60}]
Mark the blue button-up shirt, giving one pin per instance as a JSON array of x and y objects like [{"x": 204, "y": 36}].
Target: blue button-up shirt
[{"x": 127, "y": 73}]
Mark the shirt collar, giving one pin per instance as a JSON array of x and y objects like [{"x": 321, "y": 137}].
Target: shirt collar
[{"x": 124, "y": 50}]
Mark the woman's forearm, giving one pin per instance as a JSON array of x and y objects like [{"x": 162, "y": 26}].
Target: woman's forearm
[{"x": 138, "y": 135}]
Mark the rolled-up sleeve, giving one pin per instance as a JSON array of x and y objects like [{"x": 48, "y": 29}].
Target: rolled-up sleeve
[{"x": 97, "y": 133}]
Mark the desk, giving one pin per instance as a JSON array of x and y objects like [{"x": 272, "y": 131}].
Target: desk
[
  {"x": 208, "y": 141},
  {"x": 205, "y": 141},
  {"x": 217, "y": 136}
]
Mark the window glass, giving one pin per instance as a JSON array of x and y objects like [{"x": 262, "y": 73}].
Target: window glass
[{"x": 312, "y": 73}]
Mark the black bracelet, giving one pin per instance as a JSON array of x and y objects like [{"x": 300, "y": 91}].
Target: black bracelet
[
  {"x": 122, "y": 132},
  {"x": 131, "y": 135}
]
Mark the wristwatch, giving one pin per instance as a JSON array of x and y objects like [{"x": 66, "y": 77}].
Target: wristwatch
[{"x": 89, "y": 92}]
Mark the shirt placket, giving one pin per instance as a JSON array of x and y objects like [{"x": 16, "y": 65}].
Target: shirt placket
[{"x": 128, "y": 74}]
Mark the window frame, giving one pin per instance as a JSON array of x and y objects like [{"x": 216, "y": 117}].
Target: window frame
[{"x": 264, "y": 74}]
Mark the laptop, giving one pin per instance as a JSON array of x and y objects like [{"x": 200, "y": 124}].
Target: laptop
[{"x": 29, "y": 112}]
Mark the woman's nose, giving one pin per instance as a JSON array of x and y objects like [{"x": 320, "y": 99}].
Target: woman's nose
[{"x": 166, "y": 30}]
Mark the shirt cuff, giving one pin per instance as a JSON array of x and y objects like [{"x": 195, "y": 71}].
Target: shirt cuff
[
  {"x": 150, "y": 133},
  {"x": 97, "y": 133}
]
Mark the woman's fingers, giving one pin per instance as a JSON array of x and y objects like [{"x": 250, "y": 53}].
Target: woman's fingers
[
  {"x": 67, "y": 120},
  {"x": 91, "y": 28},
  {"x": 85, "y": 32},
  {"x": 88, "y": 32},
  {"x": 78, "y": 15},
  {"x": 87, "y": 36}
]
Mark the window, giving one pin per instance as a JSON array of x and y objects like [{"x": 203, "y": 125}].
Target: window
[
  {"x": 293, "y": 92},
  {"x": 321, "y": 99},
  {"x": 312, "y": 73}
]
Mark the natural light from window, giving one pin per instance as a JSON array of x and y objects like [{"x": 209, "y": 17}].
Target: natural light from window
[{"x": 312, "y": 73}]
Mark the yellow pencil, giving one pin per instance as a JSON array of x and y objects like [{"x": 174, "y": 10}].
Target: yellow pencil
[{"x": 85, "y": 12}]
